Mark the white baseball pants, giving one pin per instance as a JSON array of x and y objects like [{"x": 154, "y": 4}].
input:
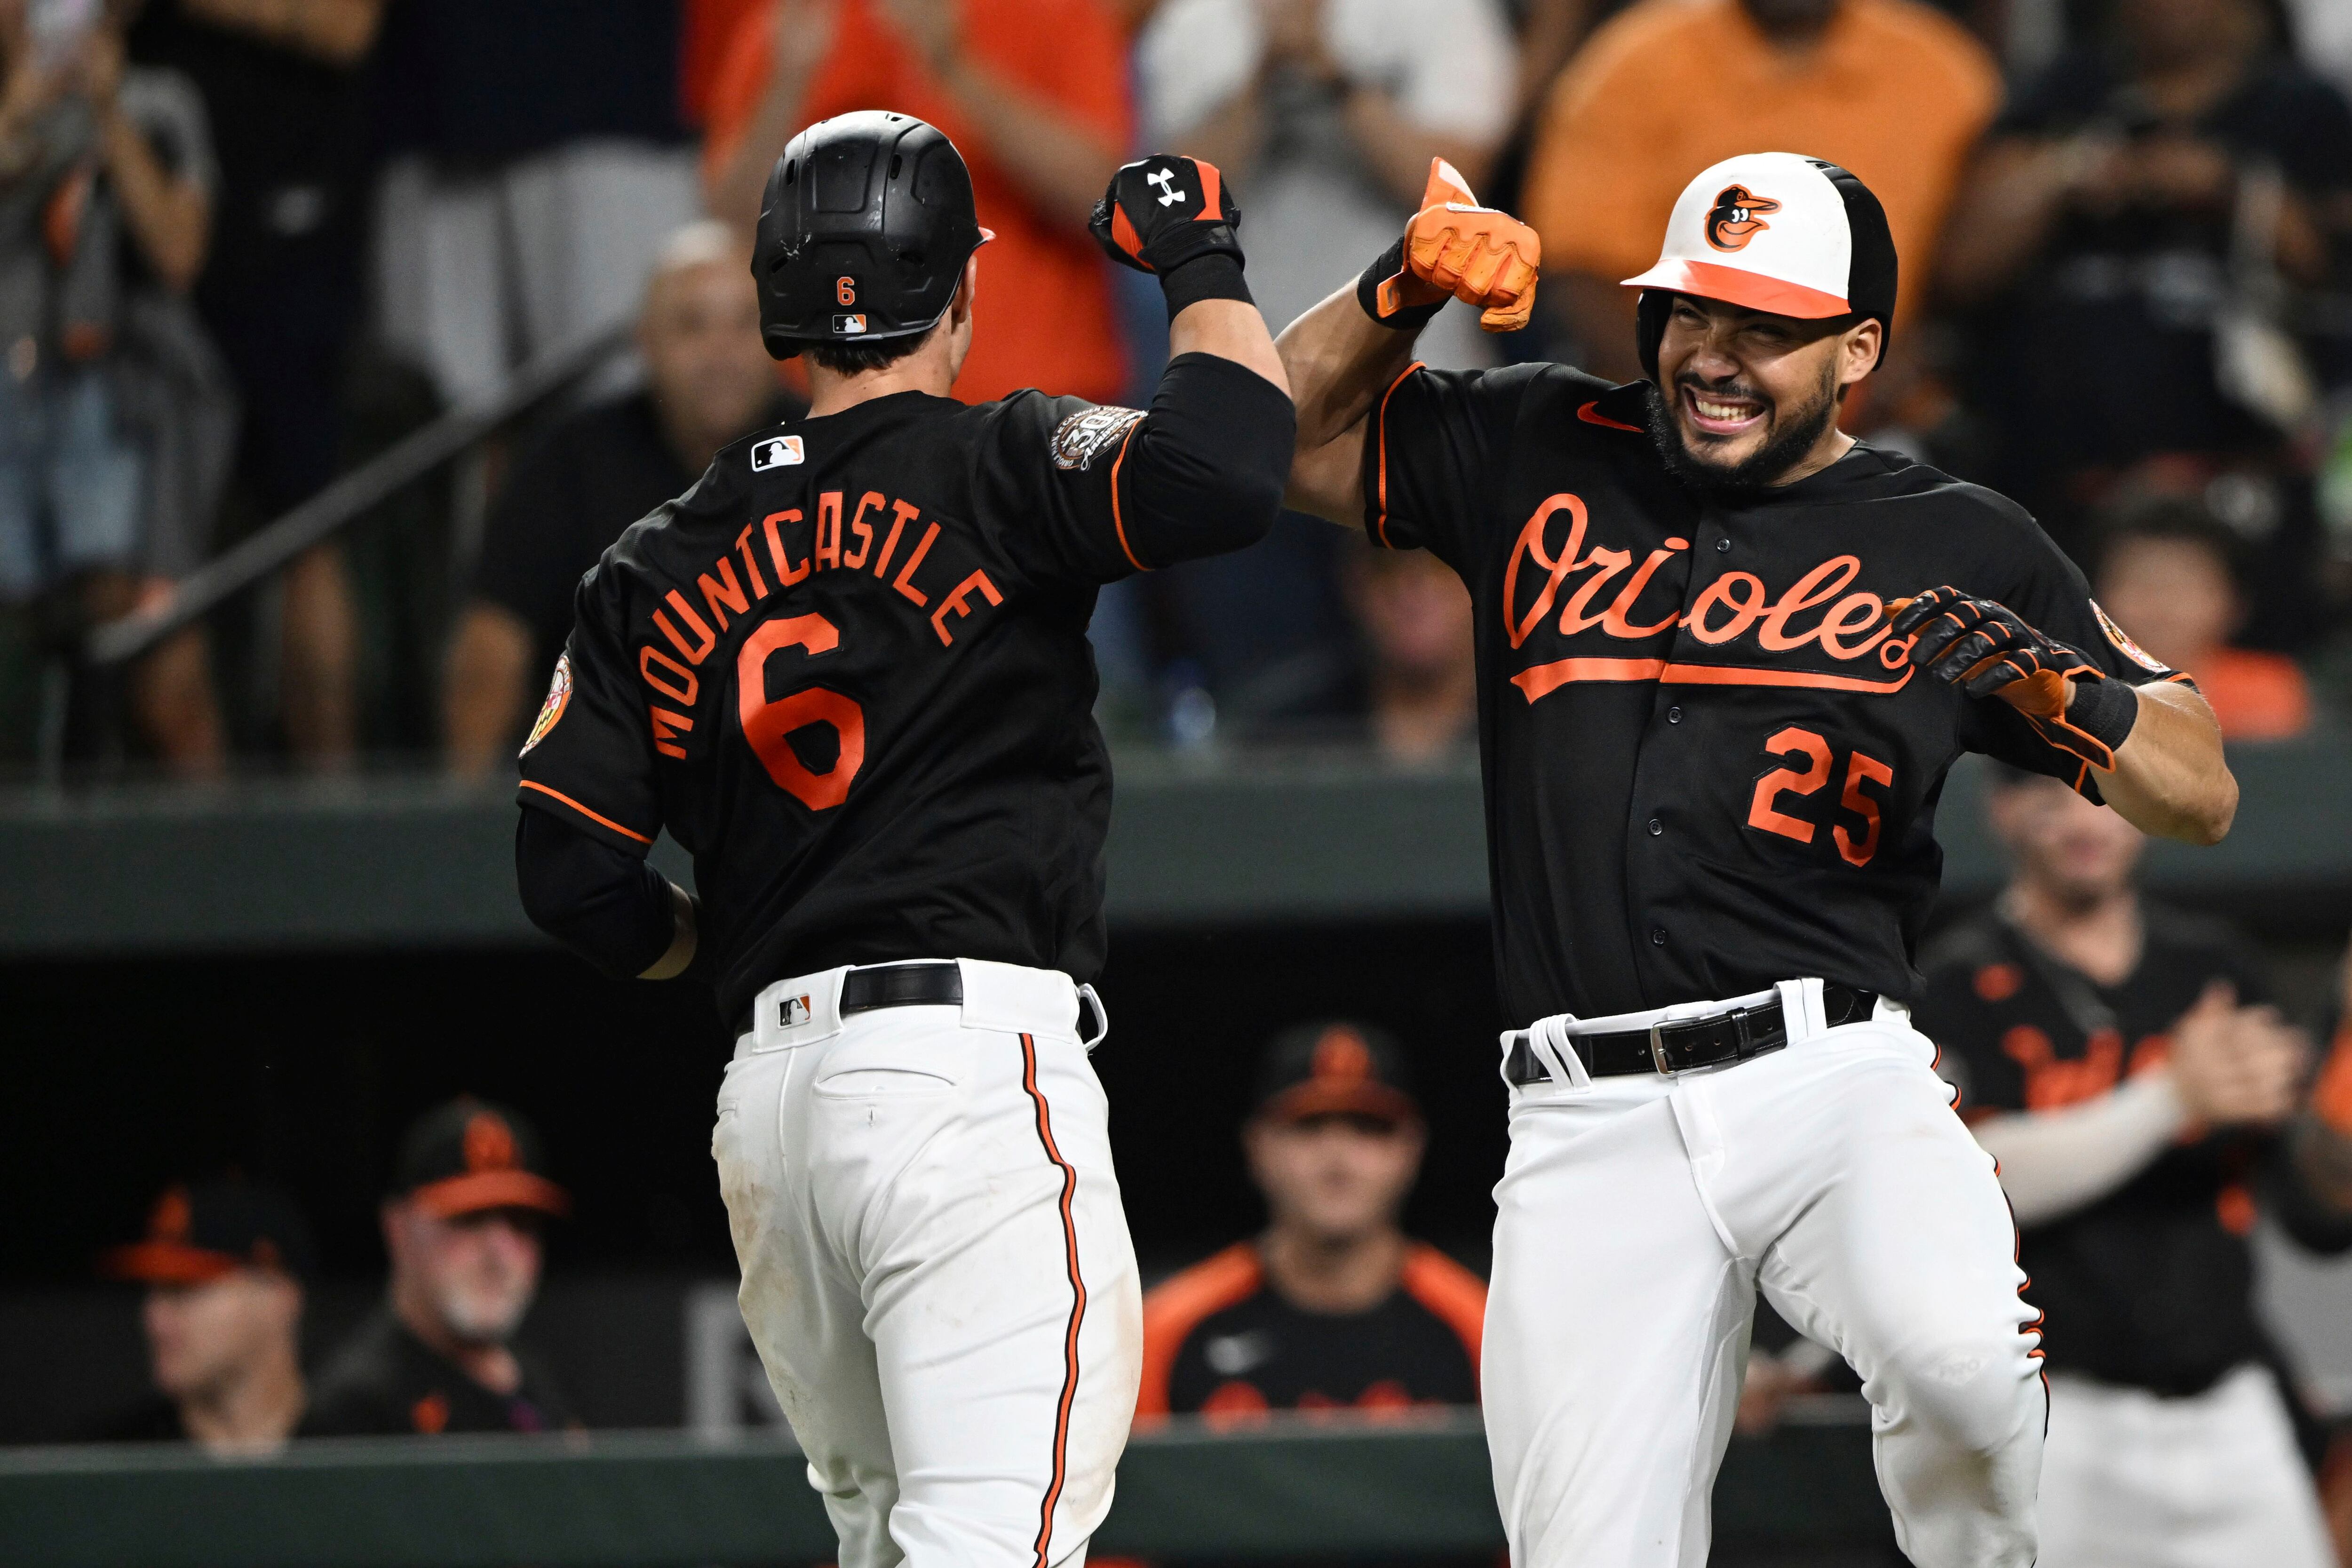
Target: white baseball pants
[
  {"x": 2132, "y": 1479},
  {"x": 936, "y": 1266},
  {"x": 1638, "y": 1216}
]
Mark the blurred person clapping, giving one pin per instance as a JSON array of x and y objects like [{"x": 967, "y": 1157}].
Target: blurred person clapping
[
  {"x": 462, "y": 1228},
  {"x": 2145, "y": 1102},
  {"x": 223, "y": 1265},
  {"x": 1032, "y": 93},
  {"x": 707, "y": 381}
]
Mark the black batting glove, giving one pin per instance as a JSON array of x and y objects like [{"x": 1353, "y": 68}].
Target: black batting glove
[
  {"x": 1174, "y": 217},
  {"x": 1986, "y": 650}
]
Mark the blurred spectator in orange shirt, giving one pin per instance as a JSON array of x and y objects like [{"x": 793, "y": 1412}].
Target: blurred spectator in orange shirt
[
  {"x": 1890, "y": 88},
  {"x": 1033, "y": 93},
  {"x": 2166, "y": 574}
]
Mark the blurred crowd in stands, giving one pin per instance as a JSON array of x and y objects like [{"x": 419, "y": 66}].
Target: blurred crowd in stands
[{"x": 246, "y": 244}]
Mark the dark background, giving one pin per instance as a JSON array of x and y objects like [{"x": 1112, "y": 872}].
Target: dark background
[{"x": 303, "y": 1070}]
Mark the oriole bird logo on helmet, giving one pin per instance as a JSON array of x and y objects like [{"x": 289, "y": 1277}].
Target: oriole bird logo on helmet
[{"x": 1738, "y": 216}]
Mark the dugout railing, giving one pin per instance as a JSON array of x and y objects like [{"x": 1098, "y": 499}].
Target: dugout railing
[{"x": 1293, "y": 1488}]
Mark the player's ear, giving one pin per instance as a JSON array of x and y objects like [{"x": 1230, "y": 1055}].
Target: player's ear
[
  {"x": 960, "y": 308},
  {"x": 1864, "y": 342}
]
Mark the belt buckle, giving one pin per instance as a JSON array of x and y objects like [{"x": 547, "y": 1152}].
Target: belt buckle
[{"x": 1658, "y": 1051}]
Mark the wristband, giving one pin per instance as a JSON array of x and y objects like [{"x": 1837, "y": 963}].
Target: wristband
[
  {"x": 1390, "y": 264},
  {"x": 2104, "y": 709},
  {"x": 1213, "y": 275}
]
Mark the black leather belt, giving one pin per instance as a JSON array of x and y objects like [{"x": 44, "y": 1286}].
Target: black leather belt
[
  {"x": 902, "y": 985},
  {"x": 1738, "y": 1035}
]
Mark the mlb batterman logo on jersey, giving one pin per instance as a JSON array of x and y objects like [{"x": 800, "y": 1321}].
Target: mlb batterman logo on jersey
[{"x": 777, "y": 452}]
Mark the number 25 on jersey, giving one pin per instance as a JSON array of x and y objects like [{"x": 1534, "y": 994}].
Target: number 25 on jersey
[{"x": 1862, "y": 769}]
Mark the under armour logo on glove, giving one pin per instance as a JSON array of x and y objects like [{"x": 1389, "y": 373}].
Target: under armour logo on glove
[
  {"x": 1136, "y": 228},
  {"x": 1986, "y": 650}
]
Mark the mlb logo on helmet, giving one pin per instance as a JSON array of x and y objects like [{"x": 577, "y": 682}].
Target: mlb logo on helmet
[
  {"x": 777, "y": 452},
  {"x": 849, "y": 326}
]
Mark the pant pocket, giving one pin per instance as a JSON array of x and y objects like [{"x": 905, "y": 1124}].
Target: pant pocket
[{"x": 893, "y": 1069}]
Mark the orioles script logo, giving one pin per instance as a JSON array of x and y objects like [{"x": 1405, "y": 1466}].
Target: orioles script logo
[
  {"x": 1736, "y": 218},
  {"x": 1813, "y": 611}
]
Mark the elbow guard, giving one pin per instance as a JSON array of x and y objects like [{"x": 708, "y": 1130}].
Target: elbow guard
[
  {"x": 1210, "y": 462},
  {"x": 611, "y": 909}
]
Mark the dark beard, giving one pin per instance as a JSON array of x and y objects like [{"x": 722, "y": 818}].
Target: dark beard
[{"x": 1751, "y": 475}]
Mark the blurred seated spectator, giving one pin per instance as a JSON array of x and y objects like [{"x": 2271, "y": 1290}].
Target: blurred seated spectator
[
  {"x": 540, "y": 159},
  {"x": 224, "y": 1264},
  {"x": 1333, "y": 1307},
  {"x": 115, "y": 419},
  {"x": 2128, "y": 237},
  {"x": 707, "y": 381},
  {"x": 281, "y": 293},
  {"x": 1412, "y": 692},
  {"x": 2166, "y": 576},
  {"x": 2145, "y": 1103},
  {"x": 1035, "y": 95},
  {"x": 462, "y": 1226},
  {"x": 1889, "y": 88}
]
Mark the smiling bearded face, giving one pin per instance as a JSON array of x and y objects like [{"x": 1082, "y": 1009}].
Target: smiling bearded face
[{"x": 1743, "y": 396}]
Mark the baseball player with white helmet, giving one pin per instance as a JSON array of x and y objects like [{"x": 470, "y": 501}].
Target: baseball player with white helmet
[{"x": 1726, "y": 655}]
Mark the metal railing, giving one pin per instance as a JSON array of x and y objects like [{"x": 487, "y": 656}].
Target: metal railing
[{"x": 351, "y": 497}]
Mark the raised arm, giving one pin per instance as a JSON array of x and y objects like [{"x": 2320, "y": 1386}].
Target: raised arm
[
  {"x": 1344, "y": 354},
  {"x": 1202, "y": 472}
]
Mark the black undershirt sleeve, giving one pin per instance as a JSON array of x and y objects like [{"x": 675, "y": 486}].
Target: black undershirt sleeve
[
  {"x": 611, "y": 909},
  {"x": 1206, "y": 471}
]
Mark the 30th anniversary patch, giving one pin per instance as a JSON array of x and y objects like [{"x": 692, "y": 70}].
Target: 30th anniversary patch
[{"x": 1086, "y": 434}]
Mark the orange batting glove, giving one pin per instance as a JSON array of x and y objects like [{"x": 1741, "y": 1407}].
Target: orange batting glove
[{"x": 1480, "y": 256}]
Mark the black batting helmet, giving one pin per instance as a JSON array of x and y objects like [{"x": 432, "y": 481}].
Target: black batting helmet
[{"x": 863, "y": 230}]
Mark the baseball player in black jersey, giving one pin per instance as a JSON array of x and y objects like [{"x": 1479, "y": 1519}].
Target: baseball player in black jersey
[
  {"x": 2121, "y": 1061},
  {"x": 848, "y": 672},
  {"x": 1726, "y": 653}
]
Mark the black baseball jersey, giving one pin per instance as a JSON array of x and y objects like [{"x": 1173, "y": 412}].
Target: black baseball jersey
[
  {"x": 2152, "y": 1284},
  {"x": 1709, "y": 764},
  {"x": 1218, "y": 1340},
  {"x": 385, "y": 1382},
  {"x": 848, "y": 671}
]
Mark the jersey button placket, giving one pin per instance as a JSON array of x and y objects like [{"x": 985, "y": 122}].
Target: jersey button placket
[{"x": 1657, "y": 936}]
